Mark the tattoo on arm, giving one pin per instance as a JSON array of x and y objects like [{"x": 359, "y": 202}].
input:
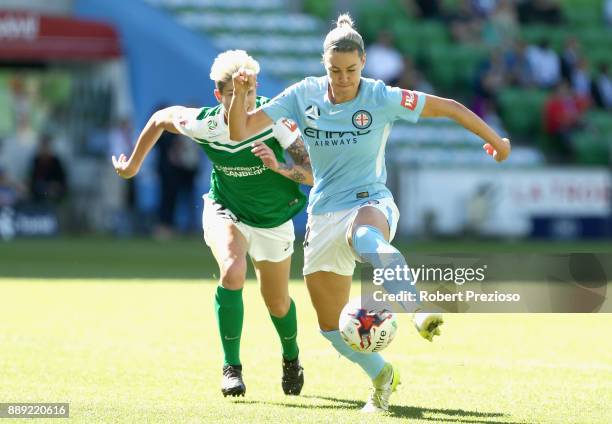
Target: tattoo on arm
[
  {"x": 294, "y": 174},
  {"x": 298, "y": 153},
  {"x": 300, "y": 170}
]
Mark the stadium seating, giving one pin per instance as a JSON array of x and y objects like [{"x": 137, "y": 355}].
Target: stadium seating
[
  {"x": 374, "y": 15},
  {"x": 583, "y": 13},
  {"x": 522, "y": 110},
  {"x": 594, "y": 144},
  {"x": 416, "y": 38},
  {"x": 454, "y": 67},
  {"x": 288, "y": 44},
  {"x": 591, "y": 149},
  {"x": 534, "y": 34}
]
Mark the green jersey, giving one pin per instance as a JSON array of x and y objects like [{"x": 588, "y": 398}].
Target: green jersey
[{"x": 239, "y": 181}]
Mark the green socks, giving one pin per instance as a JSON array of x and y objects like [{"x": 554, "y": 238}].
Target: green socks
[
  {"x": 230, "y": 313},
  {"x": 286, "y": 327}
]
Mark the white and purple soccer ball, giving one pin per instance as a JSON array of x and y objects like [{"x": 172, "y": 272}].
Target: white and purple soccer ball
[{"x": 365, "y": 328}]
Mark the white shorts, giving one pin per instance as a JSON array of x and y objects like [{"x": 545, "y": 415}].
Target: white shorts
[
  {"x": 264, "y": 244},
  {"x": 326, "y": 246}
]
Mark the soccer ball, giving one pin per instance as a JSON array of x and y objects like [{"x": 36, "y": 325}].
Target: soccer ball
[{"x": 367, "y": 329}]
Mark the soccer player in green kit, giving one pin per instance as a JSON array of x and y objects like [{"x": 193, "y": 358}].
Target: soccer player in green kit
[{"x": 247, "y": 211}]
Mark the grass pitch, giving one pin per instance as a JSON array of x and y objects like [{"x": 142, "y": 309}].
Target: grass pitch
[
  {"x": 125, "y": 332},
  {"x": 135, "y": 351}
]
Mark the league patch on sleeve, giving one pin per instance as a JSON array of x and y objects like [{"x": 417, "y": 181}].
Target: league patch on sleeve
[
  {"x": 182, "y": 119},
  {"x": 292, "y": 126},
  {"x": 409, "y": 99}
]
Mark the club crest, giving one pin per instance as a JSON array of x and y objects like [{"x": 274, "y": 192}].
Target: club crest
[{"x": 362, "y": 119}]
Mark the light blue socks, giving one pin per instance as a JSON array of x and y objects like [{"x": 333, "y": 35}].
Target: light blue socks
[
  {"x": 372, "y": 363},
  {"x": 371, "y": 246}
]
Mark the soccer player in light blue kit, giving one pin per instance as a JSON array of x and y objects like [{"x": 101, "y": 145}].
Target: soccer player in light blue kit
[{"x": 345, "y": 122}]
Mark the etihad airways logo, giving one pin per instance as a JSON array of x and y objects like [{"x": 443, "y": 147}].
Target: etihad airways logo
[{"x": 334, "y": 138}]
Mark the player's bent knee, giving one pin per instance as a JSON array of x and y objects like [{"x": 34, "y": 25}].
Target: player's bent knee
[
  {"x": 328, "y": 317},
  {"x": 278, "y": 307},
  {"x": 233, "y": 274},
  {"x": 328, "y": 325}
]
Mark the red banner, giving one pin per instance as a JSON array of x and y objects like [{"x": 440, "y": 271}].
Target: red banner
[{"x": 26, "y": 36}]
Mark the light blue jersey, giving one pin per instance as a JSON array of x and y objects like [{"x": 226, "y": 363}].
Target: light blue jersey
[{"x": 346, "y": 141}]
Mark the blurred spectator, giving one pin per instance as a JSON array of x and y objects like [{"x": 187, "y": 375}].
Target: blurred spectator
[
  {"x": 601, "y": 88},
  {"x": 569, "y": 57},
  {"x": 11, "y": 192},
  {"x": 478, "y": 209},
  {"x": 490, "y": 78},
  {"x": 539, "y": 11},
  {"x": 120, "y": 137},
  {"x": 414, "y": 79},
  {"x": 484, "y": 8},
  {"x": 562, "y": 116},
  {"x": 502, "y": 27},
  {"x": 490, "y": 114},
  {"x": 120, "y": 194},
  {"x": 518, "y": 69},
  {"x": 384, "y": 62},
  {"x": 177, "y": 165},
  {"x": 167, "y": 164},
  {"x": 15, "y": 154},
  {"x": 465, "y": 25},
  {"x": 581, "y": 83},
  {"x": 428, "y": 9},
  {"x": 190, "y": 156},
  {"x": 24, "y": 100},
  {"x": 47, "y": 175},
  {"x": 607, "y": 12},
  {"x": 545, "y": 64}
]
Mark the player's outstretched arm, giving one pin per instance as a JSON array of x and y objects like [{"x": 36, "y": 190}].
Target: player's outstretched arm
[
  {"x": 436, "y": 107},
  {"x": 299, "y": 171},
  {"x": 243, "y": 124},
  {"x": 160, "y": 121}
]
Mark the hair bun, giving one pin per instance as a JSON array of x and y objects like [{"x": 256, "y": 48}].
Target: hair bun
[{"x": 344, "y": 19}]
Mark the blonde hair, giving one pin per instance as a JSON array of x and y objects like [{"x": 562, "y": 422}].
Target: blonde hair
[
  {"x": 343, "y": 38},
  {"x": 229, "y": 62}
]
